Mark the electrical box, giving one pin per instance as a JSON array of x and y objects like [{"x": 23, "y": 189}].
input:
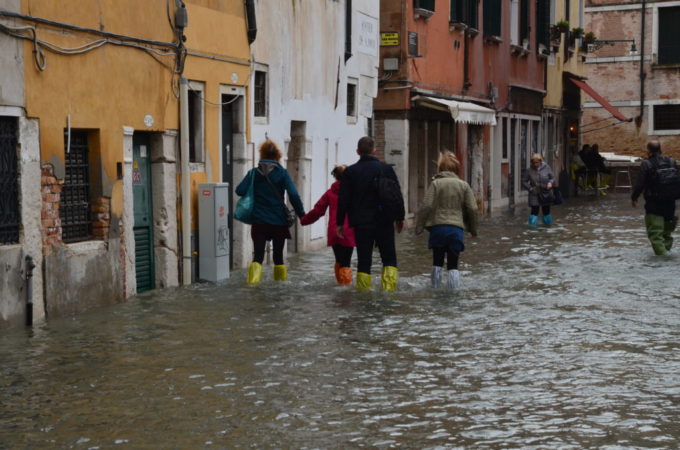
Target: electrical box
[
  {"x": 213, "y": 231},
  {"x": 391, "y": 64}
]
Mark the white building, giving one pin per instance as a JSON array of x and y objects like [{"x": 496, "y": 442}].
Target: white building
[{"x": 312, "y": 89}]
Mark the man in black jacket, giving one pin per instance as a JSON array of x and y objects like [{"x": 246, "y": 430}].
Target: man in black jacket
[
  {"x": 372, "y": 225},
  {"x": 660, "y": 219}
]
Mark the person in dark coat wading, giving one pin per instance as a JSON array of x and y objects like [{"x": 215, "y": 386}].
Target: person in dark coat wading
[
  {"x": 373, "y": 222},
  {"x": 660, "y": 220}
]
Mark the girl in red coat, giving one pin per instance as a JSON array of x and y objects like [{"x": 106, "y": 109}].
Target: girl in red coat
[{"x": 342, "y": 247}]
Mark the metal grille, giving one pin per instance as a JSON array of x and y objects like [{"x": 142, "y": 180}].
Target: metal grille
[
  {"x": 76, "y": 219},
  {"x": 492, "y": 17},
  {"x": 260, "y": 109},
  {"x": 144, "y": 269},
  {"x": 667, "y": 117},
  {"x": 9, "y": 182},
  {"x": 669, "y": 36},
  {"x": 351, "y": 99}
]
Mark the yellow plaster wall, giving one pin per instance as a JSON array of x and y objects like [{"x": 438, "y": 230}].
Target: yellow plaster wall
[{"x": 573, "y": 65}]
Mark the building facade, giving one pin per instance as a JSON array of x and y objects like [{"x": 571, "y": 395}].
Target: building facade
[
  {"x": 466, "y": 76},
  {"x": 110, "y": 111},
  {"x": 634, "y": 63},
  {"x": 314, "y": 80}
]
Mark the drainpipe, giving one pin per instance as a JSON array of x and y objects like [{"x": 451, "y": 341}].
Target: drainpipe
[
  {"x": 643, "y": 75},
  {"x": 30, "y": 265},
  {"x": 185, "y": 187}
]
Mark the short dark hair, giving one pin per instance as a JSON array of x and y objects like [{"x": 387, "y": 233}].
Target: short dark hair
[
  {"x": 365, "y": 145},
  {"x": 654, "y": 146}
]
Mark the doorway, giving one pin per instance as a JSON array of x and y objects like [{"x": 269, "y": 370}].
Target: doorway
[{"x": 143, "y": 215}]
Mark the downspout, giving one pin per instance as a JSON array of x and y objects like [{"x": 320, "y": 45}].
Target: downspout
[
  {"x": 251, "y": 21},
  {"x": 643, "y": 75},
  {"x": 185, "y": 187}
]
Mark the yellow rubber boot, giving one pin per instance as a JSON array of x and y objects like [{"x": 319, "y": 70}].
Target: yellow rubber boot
[
  {"x": 344, "y": 275},
  {"x": 363, "y": 281},
  {"x": 280, "y": 273},
  {"x": 336, "y": 268},
  {"x": 254, "y": 273},
  {"x": 390, "y": 275}
]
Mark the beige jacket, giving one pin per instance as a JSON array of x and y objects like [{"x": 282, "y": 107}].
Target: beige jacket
[{"x": 448, "y": 201}]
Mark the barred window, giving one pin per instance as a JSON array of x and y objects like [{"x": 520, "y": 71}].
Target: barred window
[
  {"x": 75, "y": 211},
  {"x": 9, "y": 182},
  {"x": 667, "y": 117},
  {"x": 464, "y": 11},
  {"x": 260, "y": 108}
]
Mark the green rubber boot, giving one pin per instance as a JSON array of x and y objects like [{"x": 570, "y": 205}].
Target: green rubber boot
[
  {"x": 668, "y": 229},
  {"x": 655, "y": 233}
]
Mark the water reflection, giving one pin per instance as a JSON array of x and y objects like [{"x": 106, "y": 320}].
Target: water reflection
[{"x": 562, "y": 337}]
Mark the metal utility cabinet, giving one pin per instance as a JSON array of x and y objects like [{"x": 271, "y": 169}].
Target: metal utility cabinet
[{"x": 213, "y": 231}]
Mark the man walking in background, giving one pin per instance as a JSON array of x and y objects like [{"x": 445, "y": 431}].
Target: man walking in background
[
  {"x": 656, "y": 184},
  {"x": 370, "y": 195}
]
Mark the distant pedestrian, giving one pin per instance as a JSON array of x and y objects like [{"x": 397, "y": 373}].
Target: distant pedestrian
[
  {"x": 373, "y": 223},
  {"x": 447, "y": 211},
  {"x": 342, "y": 247},
  {"x": 660, "y": 220},
  {"x": 269, "y": 181},
  {"x": 538, "y": 179}
]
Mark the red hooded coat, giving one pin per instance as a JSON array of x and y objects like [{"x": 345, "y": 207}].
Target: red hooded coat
[{"x": 330, "y": 199}]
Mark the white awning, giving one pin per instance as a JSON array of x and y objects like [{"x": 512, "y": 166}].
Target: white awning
[{"x": 464, "y": 112}]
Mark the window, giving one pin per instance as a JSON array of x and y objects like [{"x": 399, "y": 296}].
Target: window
[
  {"x": 542, "y": 22},
  {"x": 492, "y": 17},
  {"x": 260, "y": 107},
  {"x": 348, "y": 29},
  {"x": 196, "y": 121},
  {"x": 524, "y": 23},
  {"x": 464, "y": 11},
  {"x": 75, "y": 211},
  {"x": 504, "y": 150},
  {"x": 666, "y": 117},
  {"x": 669, "y": 36},
  {"x": 427, "y": 5},
  {"x": 9, "y": 182},
  {"x": 351, "y": 98}
]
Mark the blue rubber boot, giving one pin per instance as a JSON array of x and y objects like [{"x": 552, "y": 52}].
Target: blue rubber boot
[
  {"x": 533, "y": 220},
  {"x": 547, "y": 219}
]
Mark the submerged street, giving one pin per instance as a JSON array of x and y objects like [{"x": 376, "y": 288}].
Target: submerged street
[{"x": 567, "y": 337}]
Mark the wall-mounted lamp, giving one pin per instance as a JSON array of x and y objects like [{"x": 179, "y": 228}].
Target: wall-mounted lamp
[{"x": 599, "y": 43}]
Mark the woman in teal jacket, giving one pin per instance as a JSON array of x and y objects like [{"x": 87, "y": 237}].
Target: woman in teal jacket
[{"x": 269, "y": 221}]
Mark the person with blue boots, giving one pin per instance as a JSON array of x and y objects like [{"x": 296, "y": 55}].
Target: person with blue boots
[
  {"x": 267, "y": 184},
  {"x": 538, "y": 179},
  {"x": 447, "y": 211}
]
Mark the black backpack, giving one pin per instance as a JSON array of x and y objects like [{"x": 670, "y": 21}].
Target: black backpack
[
  {"x": 665, "y": 180},
  {"x": 390, "y": 199}
]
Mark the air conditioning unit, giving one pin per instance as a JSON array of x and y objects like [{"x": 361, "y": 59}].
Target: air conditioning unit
[{"x": 390, "y": 64}]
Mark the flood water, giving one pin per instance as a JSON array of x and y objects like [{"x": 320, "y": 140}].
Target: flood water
[{"x": 563, "y": 337}]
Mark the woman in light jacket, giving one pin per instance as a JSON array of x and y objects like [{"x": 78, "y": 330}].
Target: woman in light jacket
[
  {"x": 448, "y": 210},
  {"x": 538, "y": 179},
  {"x": 343, "y": 247},
  {"x": 269, "y": 221}
]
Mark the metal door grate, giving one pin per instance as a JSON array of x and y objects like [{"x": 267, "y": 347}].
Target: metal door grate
[
  {"x": 76, "y": 217},
  {"x": 9, "y": 182},
  {"x": 144, "y": 259}
]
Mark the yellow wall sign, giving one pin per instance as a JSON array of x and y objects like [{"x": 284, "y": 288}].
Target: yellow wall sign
[{"x": 387, "y": 39}]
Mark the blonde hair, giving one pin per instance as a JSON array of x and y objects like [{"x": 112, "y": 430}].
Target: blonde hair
[
  {"x": 448, "y": 162},
  {"x": 536, "y": 157},
  {"x": 269, "y": 150}
]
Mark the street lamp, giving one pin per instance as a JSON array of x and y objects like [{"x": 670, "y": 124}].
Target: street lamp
[{"x": 599, "y": 43}]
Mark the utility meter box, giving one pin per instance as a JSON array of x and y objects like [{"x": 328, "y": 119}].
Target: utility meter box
[{"x": 213, "y": 231}]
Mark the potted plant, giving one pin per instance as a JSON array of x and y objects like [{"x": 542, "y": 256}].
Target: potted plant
[
  {"x": 562, "y": 26},
  {"x": 577, "y": 32},
  {"x": 589, "y": 38}
]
